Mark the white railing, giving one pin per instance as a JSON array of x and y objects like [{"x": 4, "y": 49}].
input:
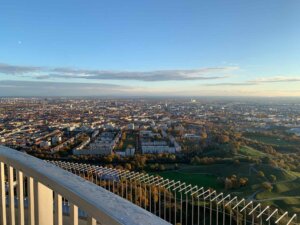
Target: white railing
[
  {"x": 178, "y": 202},
  {"x": 44, "y": 187}
]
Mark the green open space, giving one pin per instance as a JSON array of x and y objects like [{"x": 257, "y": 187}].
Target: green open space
[
  {"x": 206, "y": 180},
  {"x": 285, "y": 195},
  {"x": 272, "y": 140},
  {"x": 248, "y": 151},
  {"x": 130, "y": 140},
  {"x": 207, "y": 176}
]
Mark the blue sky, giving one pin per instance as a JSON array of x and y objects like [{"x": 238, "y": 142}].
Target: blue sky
[{"x": 154, "y": 47}]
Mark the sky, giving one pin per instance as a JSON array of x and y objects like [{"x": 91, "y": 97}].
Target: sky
[{"x": 150, "y": 48}]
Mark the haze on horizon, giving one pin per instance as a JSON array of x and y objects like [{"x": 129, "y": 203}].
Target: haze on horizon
[{"x": 150, "y": 48}]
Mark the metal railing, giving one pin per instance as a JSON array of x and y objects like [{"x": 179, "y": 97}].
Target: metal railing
[
  {"x": 178, "y": 202},
  {"x": 33, "y": 192}
]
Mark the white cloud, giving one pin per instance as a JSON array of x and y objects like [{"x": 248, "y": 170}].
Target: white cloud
[
  {"x": 209, "y": 73},
  {"x": 35, "y": 88},
  {"x": 262, "y": 80},
  {"x": 276, "y": 79}
]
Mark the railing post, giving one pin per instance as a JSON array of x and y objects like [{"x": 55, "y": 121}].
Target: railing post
[
  {"x": 43, "y": 204},
  {"x": 30, "y": 188},
  {"x": 91, "y": 221},
  {"x": 11, "y": 195},
  {"x": 2, "y": 194},
  {"x": 73, "y": 214},
  {"x": 58, "y": 210},
  {"x": 21, "y": 220}
]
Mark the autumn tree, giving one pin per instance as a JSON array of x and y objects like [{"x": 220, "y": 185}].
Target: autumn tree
[
  {"x": 267, "y": 186},
  {"x": 261, "y": 174}
]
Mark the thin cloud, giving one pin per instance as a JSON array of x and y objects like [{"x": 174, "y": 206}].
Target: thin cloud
[
  {"x": 140, "y": 76},
  {"x": 263, "y": 80},
  {"x": 232, "y": 84},
  {"x": 17, "y": 70},
  {"x": 277, "y": 79},
  {"x": 157, "y": 75},
  {"x": 36, "y": 88},
  {"x": 43, "y": 73}
]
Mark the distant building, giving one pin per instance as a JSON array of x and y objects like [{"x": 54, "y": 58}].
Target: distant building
[
  {"x": 295, "y": 131},
  {"x": 153, "y": 143},
  {"x": 45, "y": 144},
  {"x": 130, "y": 151},
  {"x": 192, "y": 136},
  {"x": 83, "y": 144},
  {"x": 130, "y": 126},
  {"x": 103, "y": 145},
  {"x": 71, "y": 128},
  {"x": 55, "y": 139},
  {"x": 62, "y": 145},
  {"x": 156, "y": 149}
]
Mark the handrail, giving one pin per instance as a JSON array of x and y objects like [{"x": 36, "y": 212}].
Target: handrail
[
  {"x": 250, "y": 209},
  {"x": 97, "y": 202}
]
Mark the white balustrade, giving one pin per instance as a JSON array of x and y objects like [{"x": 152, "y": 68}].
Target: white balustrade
[{"x": 33, "y": 192}]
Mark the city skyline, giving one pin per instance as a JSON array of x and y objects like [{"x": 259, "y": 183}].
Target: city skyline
[
  {"x": 141, "y": 48},
  {"x": 149, "y": 112}
]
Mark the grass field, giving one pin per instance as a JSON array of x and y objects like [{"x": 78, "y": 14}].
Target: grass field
[
  {"x": 206, "y": 175},
  {"x": 286, "y": 190},
  {"x": 206, "y": 180},
  {"x": 272, "y": 140},
  {"x": 283, "y": 189},
  {"x": 285, "y": 193},
  {"x": 248, "y": 151}
]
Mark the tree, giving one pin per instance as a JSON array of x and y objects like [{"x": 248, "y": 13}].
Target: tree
[
  {"x": 243, "y": 181},
  {"x": 223, "y": 139},
  {"x": 267, "y": 186},
  {"x": 203, "y": 135},
  {"x": 119, "y": 167},
  {"x": 273, "y": 178},
  {"x": 109, "y": 158},
  {"x": 176, "y": 166},
  {"x": 261, "y": 174},
  {"x": 161, "y": 167},
  {"x": 128, "y": 166},
  {"x": 228, "y": 183},
  {"x": 234, "y": 147},
  {"x": 195, "y": 160}
]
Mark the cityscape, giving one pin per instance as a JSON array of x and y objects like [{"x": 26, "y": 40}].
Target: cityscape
[
  {"x": 156, "y": 112},
  {"x": 198, "y": 141}
]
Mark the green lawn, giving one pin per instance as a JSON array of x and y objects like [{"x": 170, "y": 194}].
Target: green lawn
[
  {"x": 219, "y": 170},
  {"x": 248, "y": 151},
  {"x": 206, "y": 175},
  {"x": 287, "y": 186},
  {"x": 285, "y": 195},
  {"x": 272, "y": 140},
  {"x": 205, "y": 180},
  {"x": 281, "y": 174},
  {"x": 283, "y": 189}
]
